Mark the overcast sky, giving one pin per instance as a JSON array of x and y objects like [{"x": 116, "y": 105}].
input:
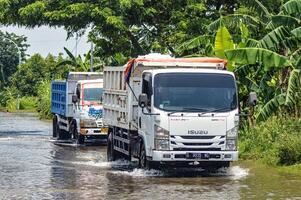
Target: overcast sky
[{"x": 45, "y": 40}]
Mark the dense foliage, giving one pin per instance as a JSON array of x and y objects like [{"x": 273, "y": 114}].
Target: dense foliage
[
  {"x": 12, "y": 52},
  {"x": 276, "y": 141}
]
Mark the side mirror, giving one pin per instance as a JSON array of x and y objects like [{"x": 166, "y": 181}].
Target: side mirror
[
  {"x": 252, "y": 100},
  {"x": 143, "y": 100},
  {"x": 74, "y": 98}
]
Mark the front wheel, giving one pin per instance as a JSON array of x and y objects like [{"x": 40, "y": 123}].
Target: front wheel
[
  {"x": 80, "y": 139},
  {"x": 143, "y": 162},
  {"x": 54, "y": 127}
]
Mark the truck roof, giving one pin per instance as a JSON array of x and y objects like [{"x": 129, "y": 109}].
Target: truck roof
[
  {"x": 91, "y": 81},
  {"x": 188, "y": 70},
  {"x": 76, "y": 76},
  {"x": 155, "y": 61}
]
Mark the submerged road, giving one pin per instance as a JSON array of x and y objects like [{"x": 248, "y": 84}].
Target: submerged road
[{"x": 33, "y": 167}]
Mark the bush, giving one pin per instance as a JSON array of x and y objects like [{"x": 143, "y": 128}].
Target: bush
[
  {"x": 25, "y": 103},
  {"x": 44, "y": 101},
  {"x": 276, "y": 141}
]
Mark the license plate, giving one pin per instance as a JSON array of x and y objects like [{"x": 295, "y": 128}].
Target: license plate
[
  {"x": 104, "y": 130},
  {"x": 197, "y": 155}
]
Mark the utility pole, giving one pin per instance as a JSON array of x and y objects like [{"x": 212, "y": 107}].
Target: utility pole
[
  {"x": 76, "y": 43},
  {"x": 91, "y": 58}
]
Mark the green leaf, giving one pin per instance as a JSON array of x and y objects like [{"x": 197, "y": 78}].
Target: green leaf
[
  {"x": 292, "y": 7},
  {"x": 252, "y": 43},
  {"x": 257, "y": 56},
  {"x": 71, "y": 56},
  {"x": 233, "y": 21},
  {"x": 293, "y": 94},
  {"x": 271, "y": 107},
  {"x": 284, "y": 20},
  {"x": 296, "y": 55},
  {"x": 274, "y": 38},
  {"x": 297, "y": 32},
  {"x": 244, "y": 30},
  {"x": 223, "y": 41},
  {"x": 194, "y": 43}
]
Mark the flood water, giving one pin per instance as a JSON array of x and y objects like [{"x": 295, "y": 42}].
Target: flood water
[{"x": 33, "y": 167}]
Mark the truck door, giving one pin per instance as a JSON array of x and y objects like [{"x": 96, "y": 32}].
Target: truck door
[{"x": 146, "y": 124}]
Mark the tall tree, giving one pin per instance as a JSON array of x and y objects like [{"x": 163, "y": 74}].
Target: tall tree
[
  {"x": 122, "y": 27},
  {"x": 12, "y": 52}
]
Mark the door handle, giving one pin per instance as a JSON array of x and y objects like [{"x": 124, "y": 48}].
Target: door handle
[{"x": 139, "y": 122}]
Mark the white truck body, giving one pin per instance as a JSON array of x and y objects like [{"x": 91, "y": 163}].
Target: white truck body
[
  {"x": 83, "y": 118},
  {"x": 197, "y": 137}
]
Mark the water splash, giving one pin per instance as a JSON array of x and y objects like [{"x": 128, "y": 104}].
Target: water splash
[
  {"x": 236, "y": 172},
  {"x": 140, "y": 173}
]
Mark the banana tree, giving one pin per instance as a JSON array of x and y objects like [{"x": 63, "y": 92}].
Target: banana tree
[
  {"x": 279, "y": 52},
  {"x": 79, "y": 64}
]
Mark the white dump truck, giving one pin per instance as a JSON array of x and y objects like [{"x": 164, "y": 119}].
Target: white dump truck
[
  {"x": 165, "y": 111},
  {"x": 76, "y": 105}
]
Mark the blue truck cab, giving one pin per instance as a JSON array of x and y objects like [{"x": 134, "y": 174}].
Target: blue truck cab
[{"x": 76, "y": 105}]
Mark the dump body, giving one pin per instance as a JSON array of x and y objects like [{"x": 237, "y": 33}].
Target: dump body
[{"x": 191, "y": 109}]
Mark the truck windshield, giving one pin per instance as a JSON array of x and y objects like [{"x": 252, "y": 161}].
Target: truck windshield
[
  {"x": 195, "y": 92},
  {"x": 93, "y": 94}
]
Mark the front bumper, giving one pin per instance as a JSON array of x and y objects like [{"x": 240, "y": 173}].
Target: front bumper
[
  {"x": 167, "y": 156},
  {"x": 94, "y": 131}
]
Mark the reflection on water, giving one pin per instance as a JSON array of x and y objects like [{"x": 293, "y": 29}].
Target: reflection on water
[{"x": 33, "y": 167}]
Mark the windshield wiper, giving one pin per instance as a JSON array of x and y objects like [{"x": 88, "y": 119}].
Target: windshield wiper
[
  {"x": 202, "y": 110},
  {"x": 216, "y": 110},
  {"x": 188, "y": 109}
]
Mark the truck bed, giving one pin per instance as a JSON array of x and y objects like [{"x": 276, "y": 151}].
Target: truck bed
[
  {"x": 58, "y": 97},
  {"x": 118, "y": 99}
]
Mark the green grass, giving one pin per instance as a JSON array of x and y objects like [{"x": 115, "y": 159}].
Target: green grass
[
  {"x": 275, "y": 142},
  {"x": 27, "y": 104}
]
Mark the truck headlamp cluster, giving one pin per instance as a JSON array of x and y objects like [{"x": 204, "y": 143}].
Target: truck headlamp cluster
[
  {"x": 231, "y": 141},
  {"x": 87, "y": 123},
  {"x": 232, "y": 133},
  {"x": 161, "y": 138}
]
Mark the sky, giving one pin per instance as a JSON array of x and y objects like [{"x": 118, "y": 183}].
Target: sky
[{"x": 45, "y": 40}]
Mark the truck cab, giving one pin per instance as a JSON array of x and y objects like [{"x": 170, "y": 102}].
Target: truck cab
[
  {"x": 189, "y": 115},
  {"x": 87, "y": 107}
]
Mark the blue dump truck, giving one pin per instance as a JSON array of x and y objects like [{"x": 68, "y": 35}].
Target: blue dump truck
[{"x": 76, "y": 105}]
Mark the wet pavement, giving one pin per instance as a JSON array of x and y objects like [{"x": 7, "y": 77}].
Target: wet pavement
[{"x": 33, "y": 167}]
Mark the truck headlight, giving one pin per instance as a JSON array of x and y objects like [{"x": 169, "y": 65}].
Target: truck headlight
[
  {"x": 161, "y": 138},
  {"x": 231, "y": 140},
  {"x": 87, "y": 123},
  {"x": 231, "y": 145}
]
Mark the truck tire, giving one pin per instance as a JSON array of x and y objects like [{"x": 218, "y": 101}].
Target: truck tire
[
  {"x": 54, "y": 127},
  {"x": 143, "y": 162},
  {"x": 110, "y": 149},
  {"x": 80, "y": 139},
  {"x": 112, "y": 154}
]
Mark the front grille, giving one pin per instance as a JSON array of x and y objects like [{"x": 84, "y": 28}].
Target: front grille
[
  {"x": 197, "y": 137},
  {"x": 197, "y": 143}
]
